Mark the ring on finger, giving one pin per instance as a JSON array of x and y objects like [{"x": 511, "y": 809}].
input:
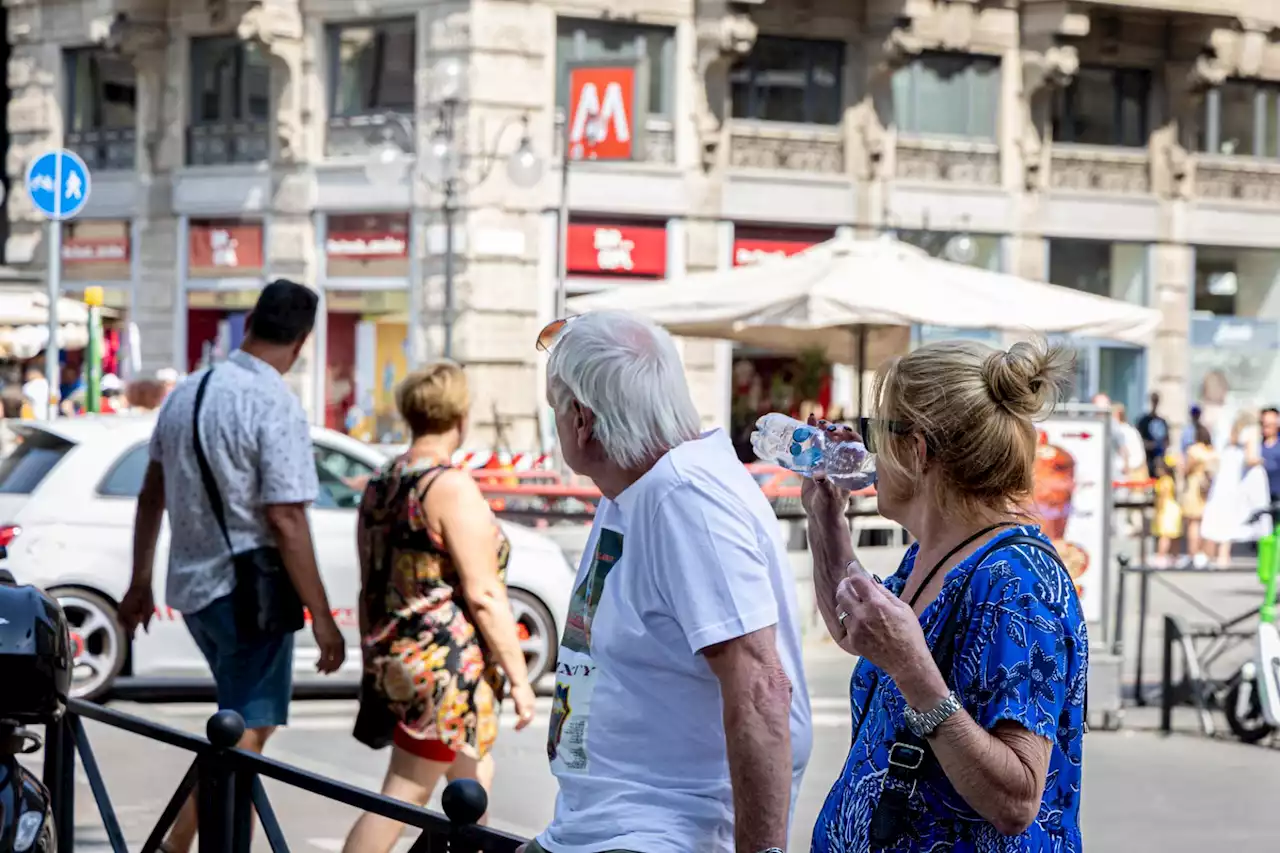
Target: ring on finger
[{"x": 844, "y": 614}]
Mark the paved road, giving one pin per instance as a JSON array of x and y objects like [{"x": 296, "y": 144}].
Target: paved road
[{"x": 1177, "y": 794}]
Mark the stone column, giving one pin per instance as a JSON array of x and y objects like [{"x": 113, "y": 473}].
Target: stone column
[
  {"x": 160, "y": 62},
  {"x": 719, "y": 36},
  {"x": 35, "y": 124},
  {"x": 507, "y": 49},
  {"x": 276, "y": 27}
]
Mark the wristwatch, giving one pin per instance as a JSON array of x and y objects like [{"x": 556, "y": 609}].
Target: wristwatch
[
  {"x": 923, "y": 724},
  {"x": 773, "y": 850}
]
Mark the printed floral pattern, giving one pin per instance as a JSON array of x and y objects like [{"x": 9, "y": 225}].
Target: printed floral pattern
[
  {"x": 1023, "y": 657},
  {"x": 430, "y": 663}
]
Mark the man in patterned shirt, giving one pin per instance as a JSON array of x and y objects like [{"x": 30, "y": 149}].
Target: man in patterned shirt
[{"x": 258, "y": 444}]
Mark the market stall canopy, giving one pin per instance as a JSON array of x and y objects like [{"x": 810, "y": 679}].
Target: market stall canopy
[
  {"x": 827, "y": 295},
  {"x": 24, "y": 323}
]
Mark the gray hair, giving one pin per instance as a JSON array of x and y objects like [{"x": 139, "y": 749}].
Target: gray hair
[{"x": 628, "y": 373}]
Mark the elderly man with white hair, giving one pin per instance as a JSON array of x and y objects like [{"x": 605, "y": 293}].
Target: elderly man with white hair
[{"x": 681, "y": 719}]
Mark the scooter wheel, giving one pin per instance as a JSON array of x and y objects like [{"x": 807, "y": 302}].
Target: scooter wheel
[{"x": 1253, "y": 727}]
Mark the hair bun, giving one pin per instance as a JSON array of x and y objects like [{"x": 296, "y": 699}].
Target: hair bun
[{"x": 1030, "y": 379}]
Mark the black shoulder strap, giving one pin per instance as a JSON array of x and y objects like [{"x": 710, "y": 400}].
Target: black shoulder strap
[
  {"x": 206, "y": 473},
  {"x": 944, "y": 648}
]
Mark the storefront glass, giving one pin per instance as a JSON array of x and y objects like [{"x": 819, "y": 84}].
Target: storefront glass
[
  {"x": 96, "y": 253},
  {"x": 1235, "y": 331},
  {"x": 1117, "y": 271}
]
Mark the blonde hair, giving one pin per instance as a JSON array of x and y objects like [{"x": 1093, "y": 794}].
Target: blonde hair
[
  {"x": 975, "y": 406},
  {"x": 434, "y": 399}
]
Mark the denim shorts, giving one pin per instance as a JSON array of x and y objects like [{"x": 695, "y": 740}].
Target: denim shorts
[{"x": 254, "y": 679}]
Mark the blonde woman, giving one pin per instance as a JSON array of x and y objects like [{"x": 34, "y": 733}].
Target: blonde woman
[
  {"x": 437, "y": 626},
  {"x": 968, "y": 699},
  {"x": 1239, "y": 487}
]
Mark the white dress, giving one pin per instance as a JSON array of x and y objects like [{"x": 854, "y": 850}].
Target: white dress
[{"x": 1234, "y": 495}]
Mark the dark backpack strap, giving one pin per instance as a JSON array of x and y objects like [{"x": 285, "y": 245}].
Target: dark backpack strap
[{"x": 206, "y": 473}]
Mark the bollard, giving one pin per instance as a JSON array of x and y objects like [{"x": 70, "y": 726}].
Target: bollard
[
  {"x": 215, "y": 790},
  {"x": 60, "y": 778},
  {"x": 464, "y": 802}
]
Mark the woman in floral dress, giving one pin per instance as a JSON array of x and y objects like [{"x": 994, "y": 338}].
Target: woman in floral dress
[{"x": 439, "y": 636}]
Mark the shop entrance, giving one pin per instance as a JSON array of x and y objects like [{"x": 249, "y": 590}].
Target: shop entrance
[{"x": 366, "y": 357}]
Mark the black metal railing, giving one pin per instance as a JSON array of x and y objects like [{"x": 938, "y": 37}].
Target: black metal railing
[
  {"x": 356, "y": 135},
  {"x": 217, "y": 144},
  {"x": 228, "y": 786},
  {"x": 110, "y": 149}
]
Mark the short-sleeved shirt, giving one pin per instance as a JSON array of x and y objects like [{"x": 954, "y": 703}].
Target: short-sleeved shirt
[
  {"x": 687, "y": 557},
  {"x": 1021, "y": 654},
  {"x": 258, "y": 443}
]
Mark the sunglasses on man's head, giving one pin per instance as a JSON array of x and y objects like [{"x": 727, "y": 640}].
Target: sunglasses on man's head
[{"x": 551, "y": 333}]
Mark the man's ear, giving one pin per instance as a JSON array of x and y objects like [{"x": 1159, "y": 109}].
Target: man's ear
[{"x": 584, "y": 423}]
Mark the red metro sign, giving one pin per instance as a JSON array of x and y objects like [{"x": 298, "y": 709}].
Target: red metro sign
[{"x": 602, "y": 112}]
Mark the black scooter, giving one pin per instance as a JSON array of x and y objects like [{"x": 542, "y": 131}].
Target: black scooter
[{"x": 35, "y": 679}]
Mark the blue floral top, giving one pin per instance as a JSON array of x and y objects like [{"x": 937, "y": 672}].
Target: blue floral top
[{"x": 1021, "y": 654}]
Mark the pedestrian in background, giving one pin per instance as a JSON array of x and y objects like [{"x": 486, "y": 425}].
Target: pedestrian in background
[
  {"x": 1198, "y": 463},
  {"x": 681, "y": 718},
  {"x": 1154, "y": 430},
  {"x": 1271, "y": 450},
  {"x": 1166, "y": 524},
  {"x": 248, "y": 517},
  {"x": 969, "y": 695},
  {"x": 1239, "y": 488},
  {"x": 438, "y": 630}
]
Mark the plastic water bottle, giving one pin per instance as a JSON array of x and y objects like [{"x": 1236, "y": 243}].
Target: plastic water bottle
[{"x": 796, "y": 446}]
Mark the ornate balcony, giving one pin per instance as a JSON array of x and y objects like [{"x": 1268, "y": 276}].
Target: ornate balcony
[
  {"x": 226, "y": 143},
  {"x": 959, "y": 161},
  {"x": 353, "y": 136},
  {"x": 798, "y": 148},
  {"x": 1246, "y": 179},
  {"x": 1101, "y": 169},
  {"x": 658, "y": 146},
  {"x": 105, "y": 150}
]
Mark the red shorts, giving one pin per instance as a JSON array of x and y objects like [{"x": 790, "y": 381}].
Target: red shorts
[{"x": 428, "y": 748}]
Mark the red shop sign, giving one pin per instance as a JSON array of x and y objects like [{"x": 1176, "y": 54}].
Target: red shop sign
[
  {"x": 89, "y": 250},
  {"x": 602, "y": 113},
  {"x": 748, "y": 250},
  {"x": 367, "y": 237},
  {"x": 226, "y": 246},
  {"x": 633, "y": 250}
]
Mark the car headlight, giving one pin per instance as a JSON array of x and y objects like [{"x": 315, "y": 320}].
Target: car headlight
[{"x": 28, "y": 829}]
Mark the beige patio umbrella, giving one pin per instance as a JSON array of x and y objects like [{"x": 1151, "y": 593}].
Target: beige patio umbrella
[{"x": 857, "y": 299}]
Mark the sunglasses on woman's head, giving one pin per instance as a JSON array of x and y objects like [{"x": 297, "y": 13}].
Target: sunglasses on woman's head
[{"x": 551, "y": 333}]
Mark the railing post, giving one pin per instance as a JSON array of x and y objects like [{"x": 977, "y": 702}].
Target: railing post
[
  {"x": 1166, "y": 676},
  {"x": 60, "y": 778},
  {"x": 464, "y": 802},
  {"x": 215, "y": 790}
]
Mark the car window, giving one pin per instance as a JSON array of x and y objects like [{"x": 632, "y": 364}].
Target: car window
[
  {"x": 124, "y": 480},
  {"x": 31, "y": 461},
  {"x": 342, "y": 478}
]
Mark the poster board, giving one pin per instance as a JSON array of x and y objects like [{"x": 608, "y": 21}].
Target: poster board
[{"x": 1073, "y": 497}]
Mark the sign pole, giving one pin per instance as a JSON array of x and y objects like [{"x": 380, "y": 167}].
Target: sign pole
[
  {"x": 51, "y": 372},
  {"x": 93, "y": 299}
]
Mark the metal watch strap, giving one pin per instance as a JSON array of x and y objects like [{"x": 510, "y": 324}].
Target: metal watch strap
[
  {"x": 923, "y": 724},
  {"x": 773, "y": 850}
]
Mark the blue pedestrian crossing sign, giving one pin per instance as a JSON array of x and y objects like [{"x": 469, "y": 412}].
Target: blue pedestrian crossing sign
[{"x": 58, "y": 184}]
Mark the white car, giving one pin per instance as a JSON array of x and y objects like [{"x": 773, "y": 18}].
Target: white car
[{"x": 67, "y": 499}]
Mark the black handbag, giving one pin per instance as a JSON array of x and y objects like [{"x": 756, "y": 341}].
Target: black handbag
[{"x": 264, "y": 600}]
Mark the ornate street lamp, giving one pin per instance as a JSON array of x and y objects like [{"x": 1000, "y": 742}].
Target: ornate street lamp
[{"x": 448, "y": 169}]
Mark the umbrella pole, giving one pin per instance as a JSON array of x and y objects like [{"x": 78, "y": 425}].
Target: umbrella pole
[{"x": 862, "y": 367}]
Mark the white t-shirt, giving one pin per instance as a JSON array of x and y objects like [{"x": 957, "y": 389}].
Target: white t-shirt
[{"x": 637, "y": 729}]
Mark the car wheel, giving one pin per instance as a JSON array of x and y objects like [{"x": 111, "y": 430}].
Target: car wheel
[
  {"x": 537, "y": 632},
  {"x": 96, "y": 639}
]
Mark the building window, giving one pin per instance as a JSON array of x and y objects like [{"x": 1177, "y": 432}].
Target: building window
[
  {"x": 580, "y": 40},
  {"x": 102, "y": 96},
  {"x": 1242, "y": 118},
  {"x": 371, "y": 74},
  {"x": 230, "y": 102},
  {"x": 1104, "y": 106},
  {"x": 792, "y": 80},
  {"x": 948, "y": 94}
]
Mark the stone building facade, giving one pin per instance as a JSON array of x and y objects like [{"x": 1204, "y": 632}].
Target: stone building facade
[{"x": 1127, "y": 147}]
